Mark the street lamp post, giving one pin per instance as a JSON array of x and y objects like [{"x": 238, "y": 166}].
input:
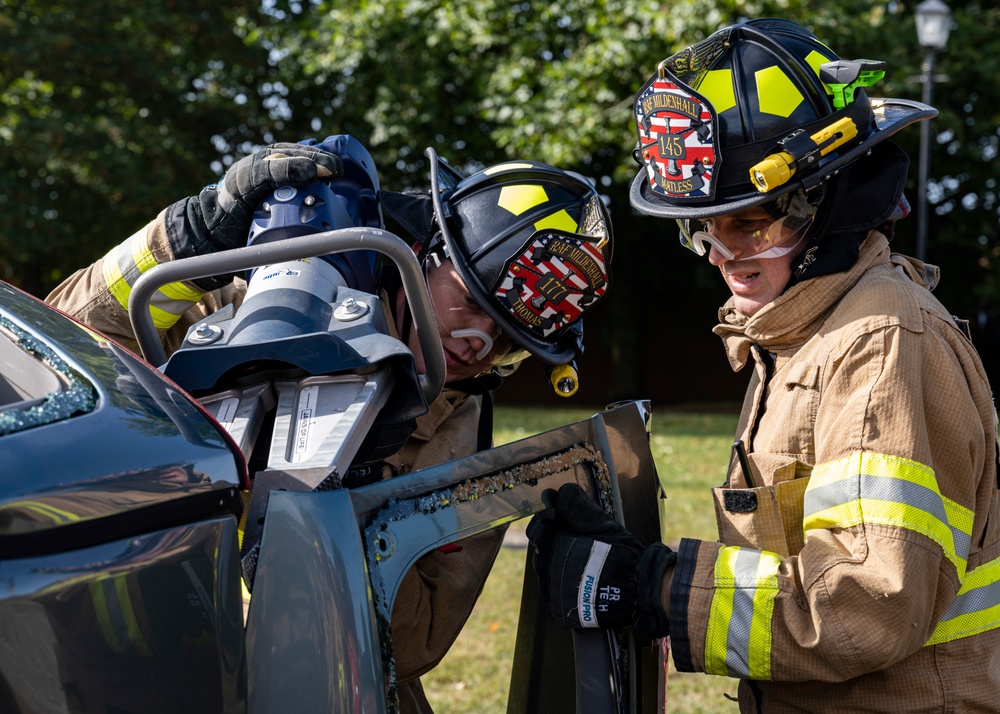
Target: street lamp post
[{"x": 933, "y": 25}]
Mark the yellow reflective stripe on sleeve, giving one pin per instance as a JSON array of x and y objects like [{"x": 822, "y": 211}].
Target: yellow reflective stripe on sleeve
[
  {"x": 887, "y": 490},
  {"x": 142, "y": 256},
  {"x": 117, "y": 283},
  {"x": 162, "y": 320},
  {"x": 960, "y": 519},
  {"x": 738, "y": 640},
  {"x": 181, "y": 292},
  {"x": 976, "y": 608},
  {"x": 123, "y": 265}
]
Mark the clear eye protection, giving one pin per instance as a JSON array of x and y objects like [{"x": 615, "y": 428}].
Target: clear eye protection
[{"x": 780, "y": 238}]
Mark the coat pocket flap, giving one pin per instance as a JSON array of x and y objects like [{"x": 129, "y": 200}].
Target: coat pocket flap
[{"x": 802, "y": 375}]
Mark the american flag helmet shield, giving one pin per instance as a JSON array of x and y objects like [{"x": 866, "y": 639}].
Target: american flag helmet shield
[
  {"x": 553, "y": 280},
  {"x": 677, "y": 138}
]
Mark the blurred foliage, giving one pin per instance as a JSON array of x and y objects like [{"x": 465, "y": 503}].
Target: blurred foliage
[{"x": 111, "y": 112}]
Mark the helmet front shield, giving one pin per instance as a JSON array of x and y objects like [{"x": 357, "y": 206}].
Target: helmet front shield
[{"x": 677, "y": 138}]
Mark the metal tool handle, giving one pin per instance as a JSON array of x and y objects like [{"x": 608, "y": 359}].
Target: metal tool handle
[{"x": 338, "y": 241}]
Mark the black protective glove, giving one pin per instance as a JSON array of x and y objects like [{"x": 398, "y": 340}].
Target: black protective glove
[
  {"x": 219, "y": 218},
  {"x": 594, "y": 573}
]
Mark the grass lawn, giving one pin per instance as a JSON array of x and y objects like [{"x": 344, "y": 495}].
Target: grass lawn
[{"x": 691, "y": 449}]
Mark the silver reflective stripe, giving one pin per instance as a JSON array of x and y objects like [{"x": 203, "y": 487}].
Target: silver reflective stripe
[
  {"x": 738, "y": 652},
  {"x": 868, "y": 487},
  {"x": 976, "y": 608},
  {"x": 738, "y": 640},
  {"x": 883, "y": 488}
]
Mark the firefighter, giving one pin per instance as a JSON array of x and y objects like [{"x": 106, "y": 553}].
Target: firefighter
[
  {"x": 504, "y": 251},
  {"x": 858, "y": 560}
]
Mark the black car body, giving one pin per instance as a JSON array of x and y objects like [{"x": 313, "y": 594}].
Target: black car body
[{"x": 118, "y": 551}]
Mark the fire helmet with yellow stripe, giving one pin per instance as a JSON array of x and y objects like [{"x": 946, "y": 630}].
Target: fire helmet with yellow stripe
[
  {"x": 755, "y": 111},
  {"x": 532, "y": 243}
]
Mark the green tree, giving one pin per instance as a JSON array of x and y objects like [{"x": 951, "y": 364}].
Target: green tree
[
  {"x": 492, "y": 80},
  {"x": 109, "y": 111},
  {"x": 109, "y": 114}
]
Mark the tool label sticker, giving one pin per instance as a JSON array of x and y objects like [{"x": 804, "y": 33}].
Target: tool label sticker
[{"x": 304, "y": 423}]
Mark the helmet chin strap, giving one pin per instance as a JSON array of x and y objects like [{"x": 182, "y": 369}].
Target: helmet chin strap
[{"x": 473, "y": 332}]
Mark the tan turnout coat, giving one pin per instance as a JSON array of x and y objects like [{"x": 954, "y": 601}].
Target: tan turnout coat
[{"x": 862, "y": 573}]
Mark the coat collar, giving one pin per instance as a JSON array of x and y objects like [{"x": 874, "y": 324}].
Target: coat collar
[
  {"x": 437, "y": 411},
  {"x": 793, "y": 317}
]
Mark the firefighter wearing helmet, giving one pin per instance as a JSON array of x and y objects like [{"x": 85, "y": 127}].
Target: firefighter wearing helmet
[
  {"x": 531, "y": 243},
  {"x": 858, "y": 559},
  {"x": 514, "y": 255}
]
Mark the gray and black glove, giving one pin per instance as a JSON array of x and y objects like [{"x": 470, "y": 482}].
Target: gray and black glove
[
  {"x": 220, "y": 217},
  {"x": 592, "y": 572}
]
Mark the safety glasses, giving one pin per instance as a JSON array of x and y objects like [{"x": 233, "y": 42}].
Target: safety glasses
[{"x": 744, "y": 239}]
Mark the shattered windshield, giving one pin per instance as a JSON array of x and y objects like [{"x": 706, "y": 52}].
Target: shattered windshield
[{"x": 37, "y": 386}]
